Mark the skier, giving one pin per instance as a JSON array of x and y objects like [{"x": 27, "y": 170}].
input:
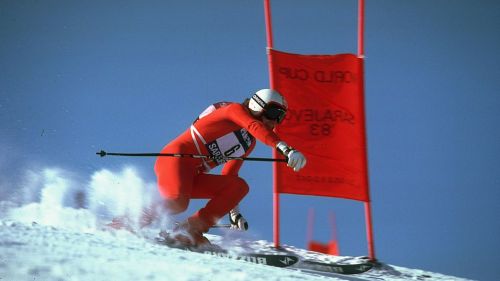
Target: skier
[{"x": 223, "y": 129}]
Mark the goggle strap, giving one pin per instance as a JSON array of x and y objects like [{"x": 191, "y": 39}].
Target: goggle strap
[{"x": 259, "y": 101}]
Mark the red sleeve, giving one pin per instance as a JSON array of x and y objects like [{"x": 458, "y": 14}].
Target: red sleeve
[
  {"x": 240, "y": 115},
  {"x": 232, "y": 167}
]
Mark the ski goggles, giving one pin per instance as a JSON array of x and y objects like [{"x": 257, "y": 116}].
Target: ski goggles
[{"x": 274, "y": 113}]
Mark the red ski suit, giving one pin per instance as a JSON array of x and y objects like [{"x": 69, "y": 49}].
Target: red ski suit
[{"x": 223, "y": 129}]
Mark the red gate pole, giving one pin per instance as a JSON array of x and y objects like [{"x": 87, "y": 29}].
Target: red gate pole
[
  {"x": 276, "y": 196},
  {"x": 361, "y": 29},
  {"x": 361, "y": 55}
]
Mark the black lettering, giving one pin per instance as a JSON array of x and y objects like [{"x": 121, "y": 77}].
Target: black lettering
[
  {"x": 314, "y": 130},
  {"x": 325, "y": 179},
  {"x": 319, "y": 76},
  {"x": 334, "y": 76},
  {"x": 326, "y": 129},
  {"x": 339, "y": 77},
  {"x": 328, "y": 116},
  {"x": 215, "y": 152},
  {"x": 310, "y": 115},
  {"x": 285, "y": 71},
  {"x": 349, "y": 77},
  {"x": 301, "y": 74},
  {"x": 232, "y": 150},
  {"x": 320, "y": 129},
  {"x": 294, "y": 73},
  {"x": 338, "y": 115}
]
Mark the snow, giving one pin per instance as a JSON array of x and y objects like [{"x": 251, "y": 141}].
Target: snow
[
  {"x": 72, "y": 246},
  {"x": 46, "y": 234},
  {"x": 48, "y": 253}
]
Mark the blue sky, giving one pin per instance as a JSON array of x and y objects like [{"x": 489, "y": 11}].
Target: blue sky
[{"x": 76, "y": 77}]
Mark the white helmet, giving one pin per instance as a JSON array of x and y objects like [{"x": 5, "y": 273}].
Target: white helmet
[{"x": 269, "y": 103}]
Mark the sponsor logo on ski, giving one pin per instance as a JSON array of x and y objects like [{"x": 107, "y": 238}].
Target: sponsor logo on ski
[
  {"x": 287, "y": 261},
  {"x": 253, "y": 259}
]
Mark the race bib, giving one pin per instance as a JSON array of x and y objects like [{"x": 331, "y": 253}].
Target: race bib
[{"x": 234, "y": 144}]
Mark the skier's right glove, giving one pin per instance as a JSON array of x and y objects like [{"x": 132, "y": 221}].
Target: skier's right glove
[
  {"x": 296, "y": 160},
  {"x": 238, "y": 222}
]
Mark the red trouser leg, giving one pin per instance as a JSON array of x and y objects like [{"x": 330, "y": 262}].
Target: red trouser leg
[
  {"x": 179, "y": 181},
  {"x": 224, "y": 192},
  {"x": 175, "y": 181}
]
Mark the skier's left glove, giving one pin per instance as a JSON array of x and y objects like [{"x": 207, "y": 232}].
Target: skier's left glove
[
  {"x": 296, "y": 160},
  {"x": 238, "y": 222}
]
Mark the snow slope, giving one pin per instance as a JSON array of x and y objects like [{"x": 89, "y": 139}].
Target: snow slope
[
  {"x": 39, "y": 242},
  {"x": 48, "y": 235}
]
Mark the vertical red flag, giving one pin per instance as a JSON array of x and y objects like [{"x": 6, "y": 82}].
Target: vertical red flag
[{"x": 325, "y": 121}]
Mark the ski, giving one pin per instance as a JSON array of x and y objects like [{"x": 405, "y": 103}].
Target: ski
[
  {"x": 330, "y": 268},
  {"x": 279, "y": 260},
  {"x": 290, "y": 261},
  {"x": 338, "y": 268}
]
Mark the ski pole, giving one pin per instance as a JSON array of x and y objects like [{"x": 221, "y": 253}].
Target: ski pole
[{"x": 103, "y": 153}]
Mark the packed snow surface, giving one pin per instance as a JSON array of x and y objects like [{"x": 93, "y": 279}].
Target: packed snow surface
[
  {"x": 69, "y": 244},
  {"x": 56, "y": 230}
]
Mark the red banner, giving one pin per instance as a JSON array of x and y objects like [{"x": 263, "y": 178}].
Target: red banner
[{"x": 325, "y": 121}]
